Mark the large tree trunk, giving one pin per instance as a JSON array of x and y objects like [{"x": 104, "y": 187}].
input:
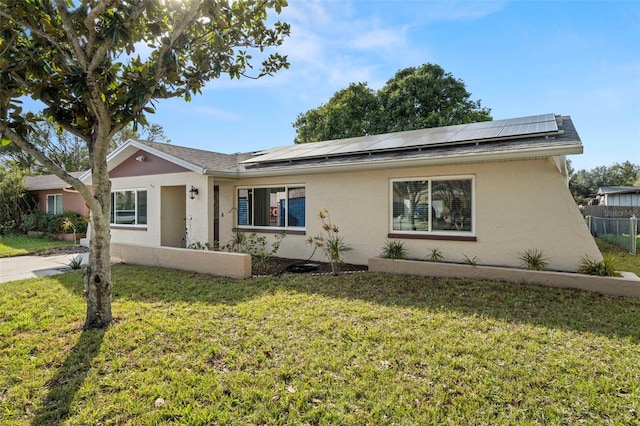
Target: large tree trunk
[
  {"x": 98, "y": 273},
  {"x": 97, "y": 281}
]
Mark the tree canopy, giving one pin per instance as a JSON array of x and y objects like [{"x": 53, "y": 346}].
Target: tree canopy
[
  {"x": 584, "y": 184},
  {"x": 414, "y": 98},
  {"x": 98, "y": 66},
  {"x": 67, "y": 150}
]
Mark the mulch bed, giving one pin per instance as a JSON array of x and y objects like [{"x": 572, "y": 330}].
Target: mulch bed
[
  {"x": 63, "y": 250},
  {"x": 280, "y": 265}
]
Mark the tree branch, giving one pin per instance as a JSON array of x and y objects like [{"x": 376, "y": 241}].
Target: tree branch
[
  {"x": 72, "y": 37},
  {"x": 36, "y": 153}
]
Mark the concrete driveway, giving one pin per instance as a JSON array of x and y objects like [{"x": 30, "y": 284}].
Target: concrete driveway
[{"x": 21, "y": 267}]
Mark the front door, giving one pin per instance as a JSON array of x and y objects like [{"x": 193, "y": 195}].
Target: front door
[{"x": 173, "y": 213}]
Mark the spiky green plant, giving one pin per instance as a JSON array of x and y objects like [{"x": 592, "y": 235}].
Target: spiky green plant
[
  {"x": 534, "y": 260},
  {"x": 473, "y": 261},
  {"x": 331, "y": 243},
  {"x": 394, "y": 250},
  {"x": 603, "y": 268},
  {"x": 435, "y": 255}
]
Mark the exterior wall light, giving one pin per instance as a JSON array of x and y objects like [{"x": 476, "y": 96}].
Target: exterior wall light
[{"x": 193, "y": 192}]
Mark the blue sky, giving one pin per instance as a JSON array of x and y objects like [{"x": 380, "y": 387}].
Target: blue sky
[{"x": 577, "y": 58}]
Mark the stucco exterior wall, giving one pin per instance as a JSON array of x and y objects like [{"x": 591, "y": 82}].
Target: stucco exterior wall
[
  {"x": 196, "y": 224},
  {"x": 71, "y": 200},
  {"x": 520, "y": 205}
]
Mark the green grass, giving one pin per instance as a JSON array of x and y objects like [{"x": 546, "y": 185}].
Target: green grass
[
  {"x": 296, "y": 349},
  {"x": 623, "y": 260},
  {"x": 19, "y": 245}
]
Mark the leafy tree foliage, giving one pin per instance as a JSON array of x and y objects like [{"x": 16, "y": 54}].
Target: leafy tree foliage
[
  {"x": 15, "y": 203},
  {"x": 67, "y": 150},
  {"x": 584, "y": 184},
  {"x": 350, "y": 112},
  {"x": 81, "y": 60},
  {"x": 414, "y": 98}
]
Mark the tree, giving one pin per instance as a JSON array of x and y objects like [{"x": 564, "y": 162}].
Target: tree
[
  {"x": 67, "y": 150},
  {"x": 79, "y": 59},
  {"x": 350, "y": 112},
  {"x": 584, "y": 184},
  {"x": 415, "y": 98},
  {"x": 15, "y": 202}
]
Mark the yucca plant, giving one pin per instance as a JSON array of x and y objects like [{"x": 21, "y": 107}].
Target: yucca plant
[
  {"x": 534, "y": 260},
  {"x": 394, "y": 250},
  {"x": 435, "y": 255},
  {"x": 331, "y": 243},
  {"x": 473, "y": 261},
  {"x": 603, "y": 268},
  {"x": 76, "y": 263}
]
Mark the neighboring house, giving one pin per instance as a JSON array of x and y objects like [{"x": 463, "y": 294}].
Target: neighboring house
[
  {"x": 622, "y": 196},
  {"x": 490, "y": 190},
  {"x": 55, "y": 195}
]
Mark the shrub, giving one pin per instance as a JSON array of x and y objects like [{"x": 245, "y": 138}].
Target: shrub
[
  {"x": 603, "y": 268},
  {"x": 331, "y": 243},
  {"x": 534, "y": 260},
  {"x": 473, "y": 261},
  {"x": 394, "y": 250},
  {"x": 55, "y": 223},
  {"x": 435, "y": 255},
  {"x": 256, "y": 246}
]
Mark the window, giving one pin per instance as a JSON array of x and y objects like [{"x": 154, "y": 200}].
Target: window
[
  {"x": 129, "y": 207},
  {"x": 54, "y": 204},
  {"x": 280, "y": 207},
  {"x": 433, "y": 206}
]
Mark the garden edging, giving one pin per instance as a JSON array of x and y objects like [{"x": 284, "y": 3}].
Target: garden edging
[{"x": 628, "y": 285}]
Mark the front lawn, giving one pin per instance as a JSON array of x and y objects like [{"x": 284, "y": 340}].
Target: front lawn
[
  {"x": 18, "y": 245},
  {"x": 297, "y": 349}
]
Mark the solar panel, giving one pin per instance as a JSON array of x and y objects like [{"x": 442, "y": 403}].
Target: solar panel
[{"x": 461, "y": 133}]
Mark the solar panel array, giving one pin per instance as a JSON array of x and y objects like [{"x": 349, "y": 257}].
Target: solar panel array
[{"x": 451, "y": 135}]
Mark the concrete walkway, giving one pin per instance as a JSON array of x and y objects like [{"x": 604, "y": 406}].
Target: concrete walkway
[{"x": 21, "y": 267}]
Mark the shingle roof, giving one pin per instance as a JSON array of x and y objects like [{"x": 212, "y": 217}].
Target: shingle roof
[
  {"x": 207, "y": 160},
  {"x": 41, "y": 182}
]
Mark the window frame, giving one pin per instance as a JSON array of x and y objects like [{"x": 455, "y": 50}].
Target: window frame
[
  {"x": 55, "y": 204},
  {"x": 113, "y": 212},
  {"x": 437, "y": 234},
  {"x": 270, "y": 229}
]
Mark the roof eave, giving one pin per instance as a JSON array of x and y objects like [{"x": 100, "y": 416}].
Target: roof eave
[{"x": 567, "y": 149}]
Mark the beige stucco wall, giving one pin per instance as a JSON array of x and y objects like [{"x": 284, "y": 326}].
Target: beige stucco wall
[
  {"x": 233, "y": 265},
  {"x": 520, "y": 205}
]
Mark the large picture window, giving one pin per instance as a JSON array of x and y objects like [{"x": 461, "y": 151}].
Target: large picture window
[
  {"x": 433, "y": 205},
  {"x": 278, "y": 207},
  {"x": 129, "y": 207},
  {"x": 54, "y": 204}
]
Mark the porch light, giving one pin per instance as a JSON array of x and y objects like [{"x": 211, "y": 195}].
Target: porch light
[{"x": 193, "y": 192}]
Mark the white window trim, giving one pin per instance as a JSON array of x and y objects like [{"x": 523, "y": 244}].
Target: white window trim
[
  {"x": 55, "y": 204},
  {"x": 431, "y": 179},
  {"x": 127, "y": 225},
  {"x": 286, "y": 187}
]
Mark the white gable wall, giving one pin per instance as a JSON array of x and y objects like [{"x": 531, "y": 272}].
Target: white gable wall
[{"x": 197, "y": 210}]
